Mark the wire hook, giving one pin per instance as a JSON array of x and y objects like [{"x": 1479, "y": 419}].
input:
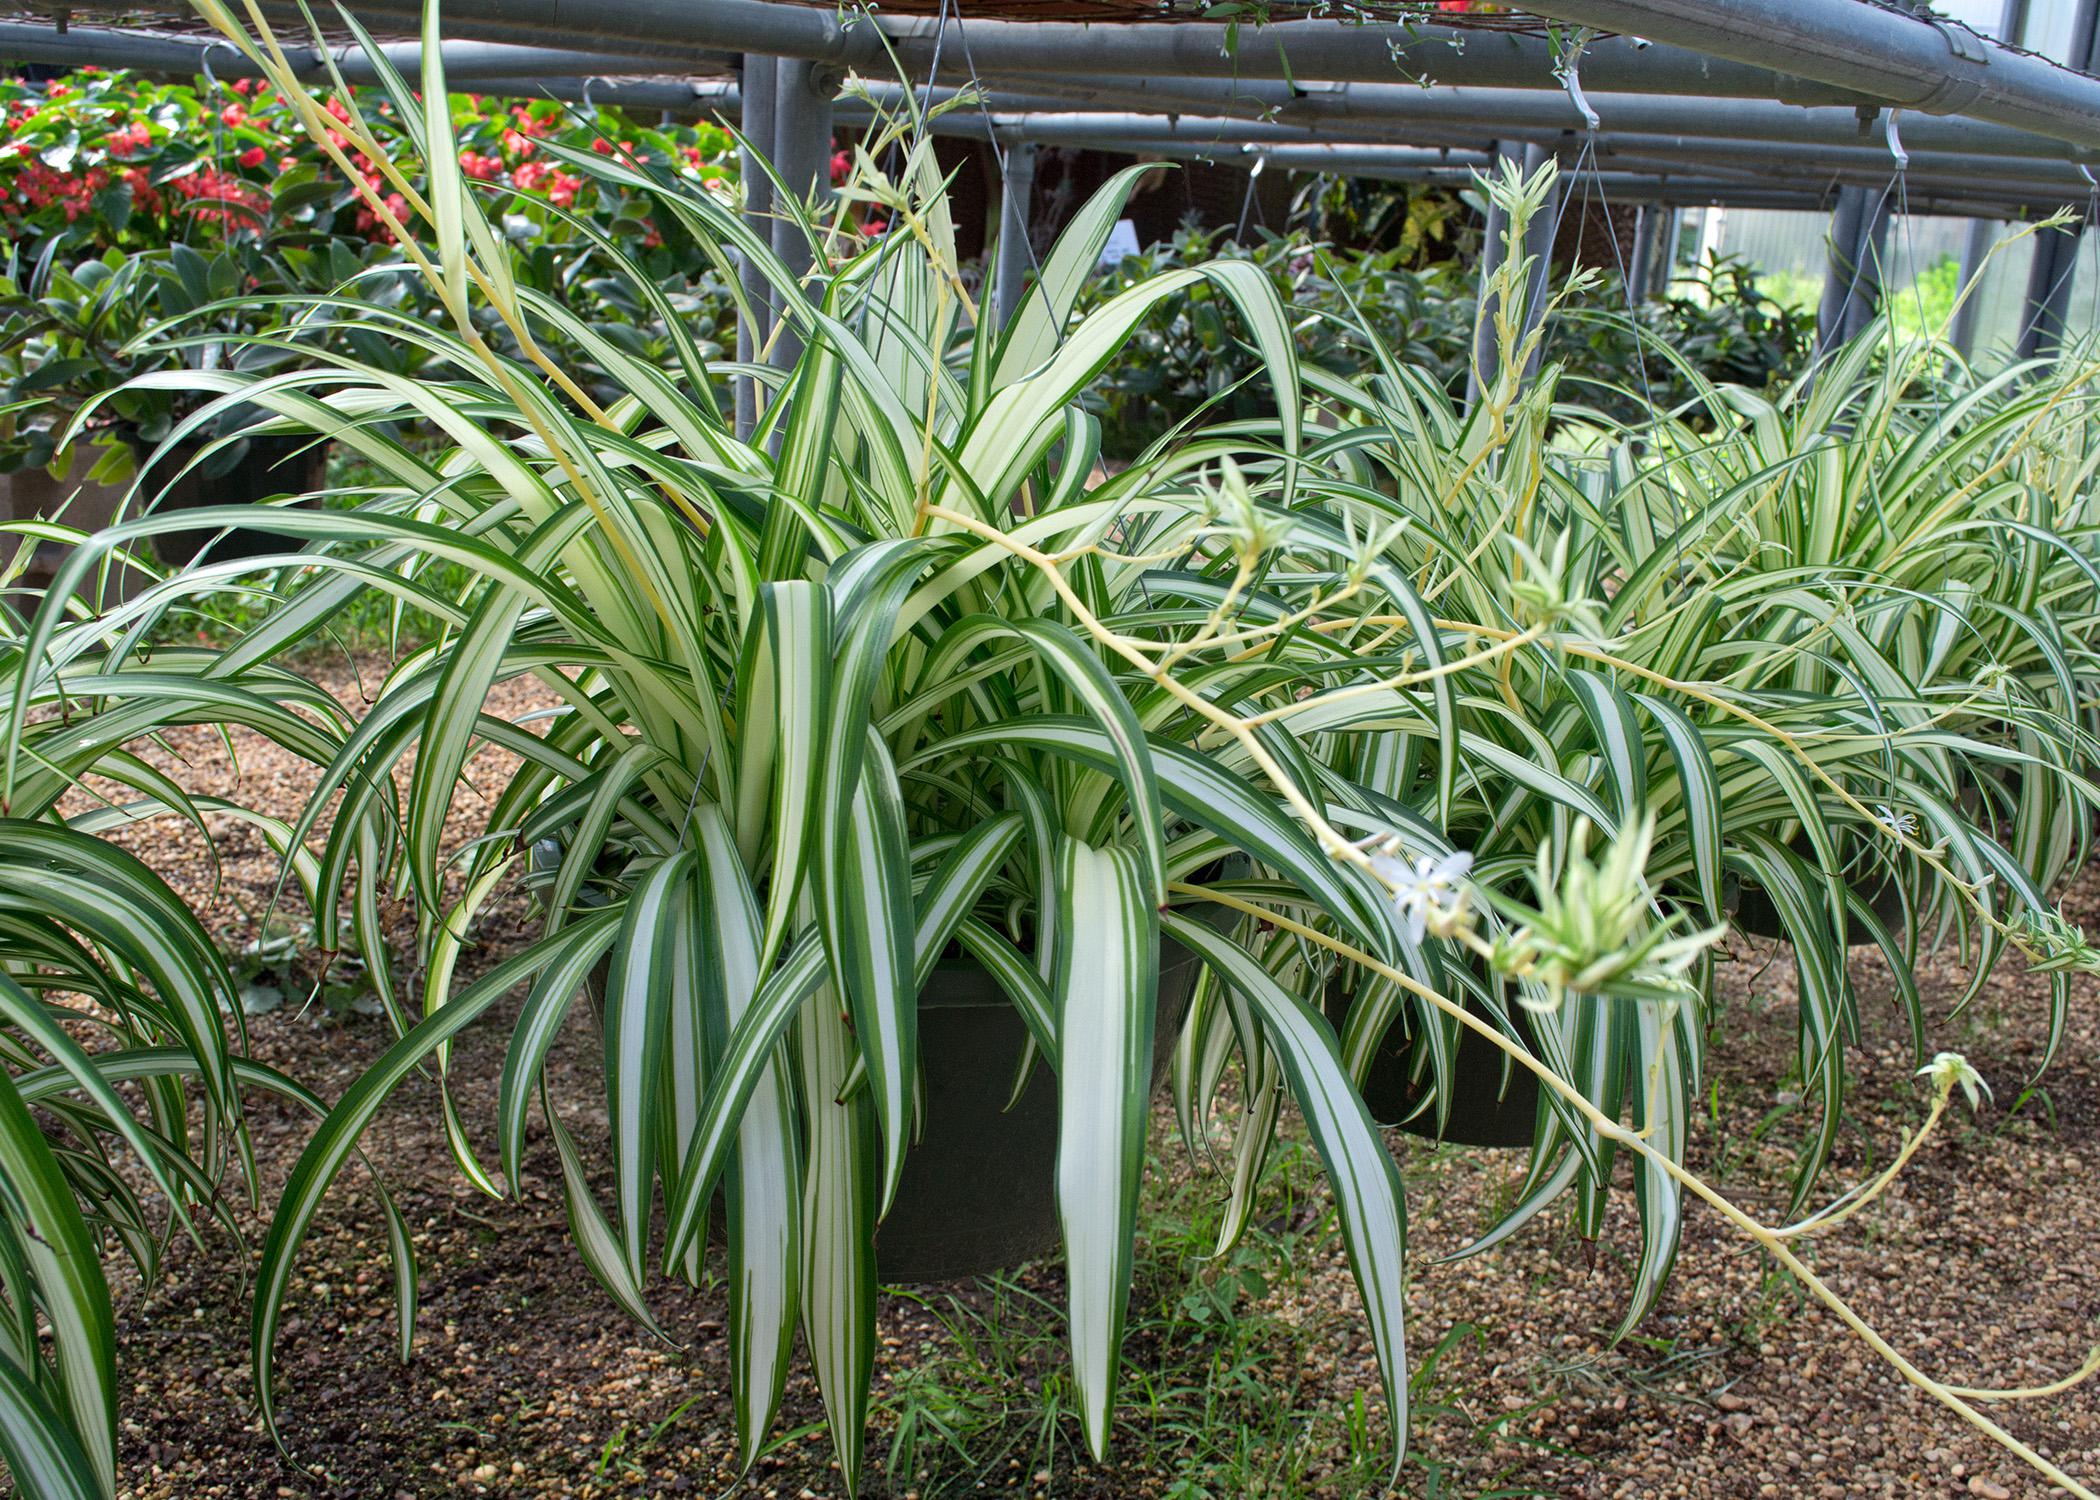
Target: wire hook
[
  {"x": 1895, "y": 139},
  {"x": 1570, "y": 72},
  {"x": 211, "y": 79}
]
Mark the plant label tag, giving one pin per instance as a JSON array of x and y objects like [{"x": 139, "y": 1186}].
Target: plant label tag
[{"x": 1122, "y": 243}]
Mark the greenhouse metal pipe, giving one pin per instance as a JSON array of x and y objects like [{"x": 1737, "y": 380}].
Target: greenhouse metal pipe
[
  {"x": 1016, "y": 192},
  {"x": 144, "y": 52},
  {"x": 1526, "y": 111},
  {"x": 1808, "y": 172},
  {"x": 1663, "y": 153},
  {"x": 1918, "y": 62},
  {"x": 1874, "y": 159},
  {"x": 1976, "y": 244},
  {"x": 1510, "y": 111},
  {"x": 673, "y": 31}
]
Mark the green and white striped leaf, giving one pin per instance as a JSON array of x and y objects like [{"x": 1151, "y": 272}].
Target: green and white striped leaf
[
  {"x": 1106, "y": 989},
  {"x": 1360, "y": 1171}
]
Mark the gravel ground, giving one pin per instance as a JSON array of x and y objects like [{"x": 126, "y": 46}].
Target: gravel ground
[{"x": 1980, "y": 1263}]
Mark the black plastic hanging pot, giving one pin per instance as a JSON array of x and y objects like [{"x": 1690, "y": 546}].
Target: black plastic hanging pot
[
  {"x": 1492, "y": 1105},
  {"x": 978, "y": 1192},
  {"x": 1757, "y": 916}
]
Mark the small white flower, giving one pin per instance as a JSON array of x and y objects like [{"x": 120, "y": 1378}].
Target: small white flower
[
  {"x": 1902, "y": 824},
  {"x": 1430, "y": 896},
  {"x": 1950, "y": 1068}
]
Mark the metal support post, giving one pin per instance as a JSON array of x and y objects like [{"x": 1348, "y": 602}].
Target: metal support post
[
  {"x": 1872, "y": 260},
  {"x": 1016, "y": 188},
  {"x": 2048, "y": 304},
  {"x": 1848, "y": 217},
  {"x": 1982, "y": 235},
  {"x": 802, "y": 123},
  {"x": 1538, "y": 249},
  {"x": 1640, "y": 269},
  {"x": 1494, "y": 251}
]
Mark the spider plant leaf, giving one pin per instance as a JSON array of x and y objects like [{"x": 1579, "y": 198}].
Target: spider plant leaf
[
  {"x": 44, "y": 1455},
  {"x": 1619, "y": 744},
  {"x": 1032, "y": 334},
  {"x": 1360, "y": 1171},
  {"x": 102, "y": 891},
  {"x": 62, "y": 1256},
  {"x": 40, "y": 1026},
  {"x": 539, "y": 1022},
  {"x": 862, "y": 874},
  {"x": 1013, "y": 973},
  {"x": 604, "y": 1253},
  {"x": 1060, "y": 649},
  {"x": 1902, "y": 968},
  {"x": 1700, "y": 791},
  {"x": 764, "y": 1173},
  {"x": 793, "y": 703},
  {"x": 401, "y": 1254},
  {"x": 872, "y": 947},
  {"x": 1196, "y": 788},
  {"x": 838, "y": 1218},
  {"x": 1106, "y": 989},
  {"x": 1819, "y": 964},
  {"x": 1662, "y": 1101}
]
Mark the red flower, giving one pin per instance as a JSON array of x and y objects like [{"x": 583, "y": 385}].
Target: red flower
[
  {"x": 602, "y": 146},
  {"x": 234, "y": 114},
  {"x": 530, "y": 175},
  {"x": 243, "y": 85},
  {"x": 143, "y": 197},
  {"x": 562, "y": 191},
  {"x": 481, "y": 168},
  {"x": 129, "y": 138},
  {"x": 223, "y": 198},
  {"x": 516, "y": 144},
  {"x": 253, "y": 157},
  {"x": 841, "y": 165},
  {"x": 286, "y": 163},
  {"x": 340, "y": 110}
]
